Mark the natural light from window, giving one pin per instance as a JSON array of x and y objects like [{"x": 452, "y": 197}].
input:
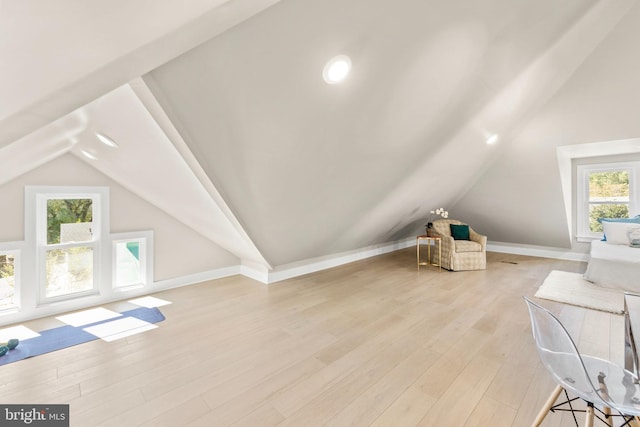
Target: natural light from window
[
  {"x": 129, "y": 263},
  {"x": 608, "y": 196},
  {"x": 575, "y": 187},
  {"x": 7, "y": 281},
  {"x": 68, "y": 245},
  {"x": 604, "y": 191}
]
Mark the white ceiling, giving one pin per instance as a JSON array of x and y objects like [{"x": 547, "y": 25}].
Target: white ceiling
[{"x": 57, "y": 56}]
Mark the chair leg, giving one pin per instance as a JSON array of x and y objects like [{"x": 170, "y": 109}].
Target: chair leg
[
  {"x": 547, "y": 406},
  {"x": 607, "y": 413},
  {"x": 588, "y": 422}
]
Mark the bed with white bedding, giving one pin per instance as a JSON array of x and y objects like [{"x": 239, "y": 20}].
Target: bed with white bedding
[{"x": 614, "y": 266}]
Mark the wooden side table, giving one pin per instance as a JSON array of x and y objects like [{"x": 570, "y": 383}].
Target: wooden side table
[{"x": 428, "y": 240}]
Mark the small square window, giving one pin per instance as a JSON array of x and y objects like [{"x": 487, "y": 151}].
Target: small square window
[{"x": 131, "y": 255}]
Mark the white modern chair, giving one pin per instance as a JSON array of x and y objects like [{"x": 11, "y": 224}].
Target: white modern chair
[{"x": 598, "y": 382}]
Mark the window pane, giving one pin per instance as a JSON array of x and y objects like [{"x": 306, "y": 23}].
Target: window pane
[
  {"x": 69, "y": 270},
  {"x": 69, "y": 220},
  {"x": 128, "y": 269},
  {"x": 596, "y": 211},
  {"x": 609, "y": 186},
  {"x": 7, "y": 281}
]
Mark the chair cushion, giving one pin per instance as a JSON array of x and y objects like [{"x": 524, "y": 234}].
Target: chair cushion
[
  {"x": 460, "y": 231},
  {"x": 467, "y": 246}
]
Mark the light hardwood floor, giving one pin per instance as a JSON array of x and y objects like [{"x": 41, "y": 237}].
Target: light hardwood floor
[{"x": 372, "y": 343}]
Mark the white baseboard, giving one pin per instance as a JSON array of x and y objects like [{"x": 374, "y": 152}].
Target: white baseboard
[
  {"x": 192, "y": 279},
  {"x": 252, "y": 273},
  {"x": 286, "y": 271},
  {"x": 312, "y": 265}
]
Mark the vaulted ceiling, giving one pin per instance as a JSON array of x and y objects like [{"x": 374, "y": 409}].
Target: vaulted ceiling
[{"x": 224, "y": 121}]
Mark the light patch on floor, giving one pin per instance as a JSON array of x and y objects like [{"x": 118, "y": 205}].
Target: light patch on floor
[
  {"x": 20, "y": 332},
  {"x": 88, "y": 316},
  {"x": 121, "y": 328},
  {"x": 149, "y": 302}
]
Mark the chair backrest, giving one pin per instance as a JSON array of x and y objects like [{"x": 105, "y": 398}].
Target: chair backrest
[
  {"x": 559, "y": 353},
  {"x": 442, "y": 226}
]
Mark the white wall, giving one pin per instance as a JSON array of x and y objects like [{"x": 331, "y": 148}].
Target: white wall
[
  {"x": 521, "y": 190},
  {"x": 311, "y": 169}
]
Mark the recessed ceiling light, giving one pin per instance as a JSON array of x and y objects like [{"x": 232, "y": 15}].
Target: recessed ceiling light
[
  {"x": 106, "y": 140},
  {"x": 337, "y": 69},
  {"x": 492, "y": 139},
  {"x": 89, "y": 155}
]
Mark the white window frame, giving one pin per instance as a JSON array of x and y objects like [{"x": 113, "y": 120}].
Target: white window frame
[
  {"x": 146, "y": 258},
  {"x": 36, "y": 216},
  {"x": 583, "y": 232}
]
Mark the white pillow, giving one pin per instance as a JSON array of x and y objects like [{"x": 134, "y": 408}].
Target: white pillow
[{"x": 617, "y": 232}]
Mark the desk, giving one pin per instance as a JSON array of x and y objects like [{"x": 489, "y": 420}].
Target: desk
[
  {"x": 632, "y": 332},
  {"x": 430, "y": 239}
]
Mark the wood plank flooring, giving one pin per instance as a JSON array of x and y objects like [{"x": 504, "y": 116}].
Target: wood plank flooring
[{"x": 372, "y": 343}]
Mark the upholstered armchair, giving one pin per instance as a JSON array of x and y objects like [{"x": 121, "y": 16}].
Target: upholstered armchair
[{"x": 458, "y": 255}]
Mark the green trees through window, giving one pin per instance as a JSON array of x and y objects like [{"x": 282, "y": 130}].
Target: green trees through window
[
  {"x": 608, "y": 196},
  {"x": 68, "y": 211},
  {"x": 69, "y": 264}
]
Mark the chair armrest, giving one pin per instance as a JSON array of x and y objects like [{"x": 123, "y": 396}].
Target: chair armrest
[
  {"x": 475, "y": 237},
  {"x": 448, "y": 244}
]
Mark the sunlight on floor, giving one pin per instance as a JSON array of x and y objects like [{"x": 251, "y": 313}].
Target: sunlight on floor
[
  {"x": 20, "y": 332},
  {"x": 87, "y": 317},
  {"x": 108, "y": 330},
  {"x": 149, "y": 302},
  {"x": 120, "y": 328}
]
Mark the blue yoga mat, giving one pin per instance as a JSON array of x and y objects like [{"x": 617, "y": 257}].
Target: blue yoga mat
[{"x": 66, "y": 336}]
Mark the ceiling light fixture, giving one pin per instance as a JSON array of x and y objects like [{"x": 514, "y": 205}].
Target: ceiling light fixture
[
  {"x": 106, "y": 140},
  {"x": 492, "y": 139},
  {"x": 89, "y": 155},
  {"x": 337, "y": 69}
]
